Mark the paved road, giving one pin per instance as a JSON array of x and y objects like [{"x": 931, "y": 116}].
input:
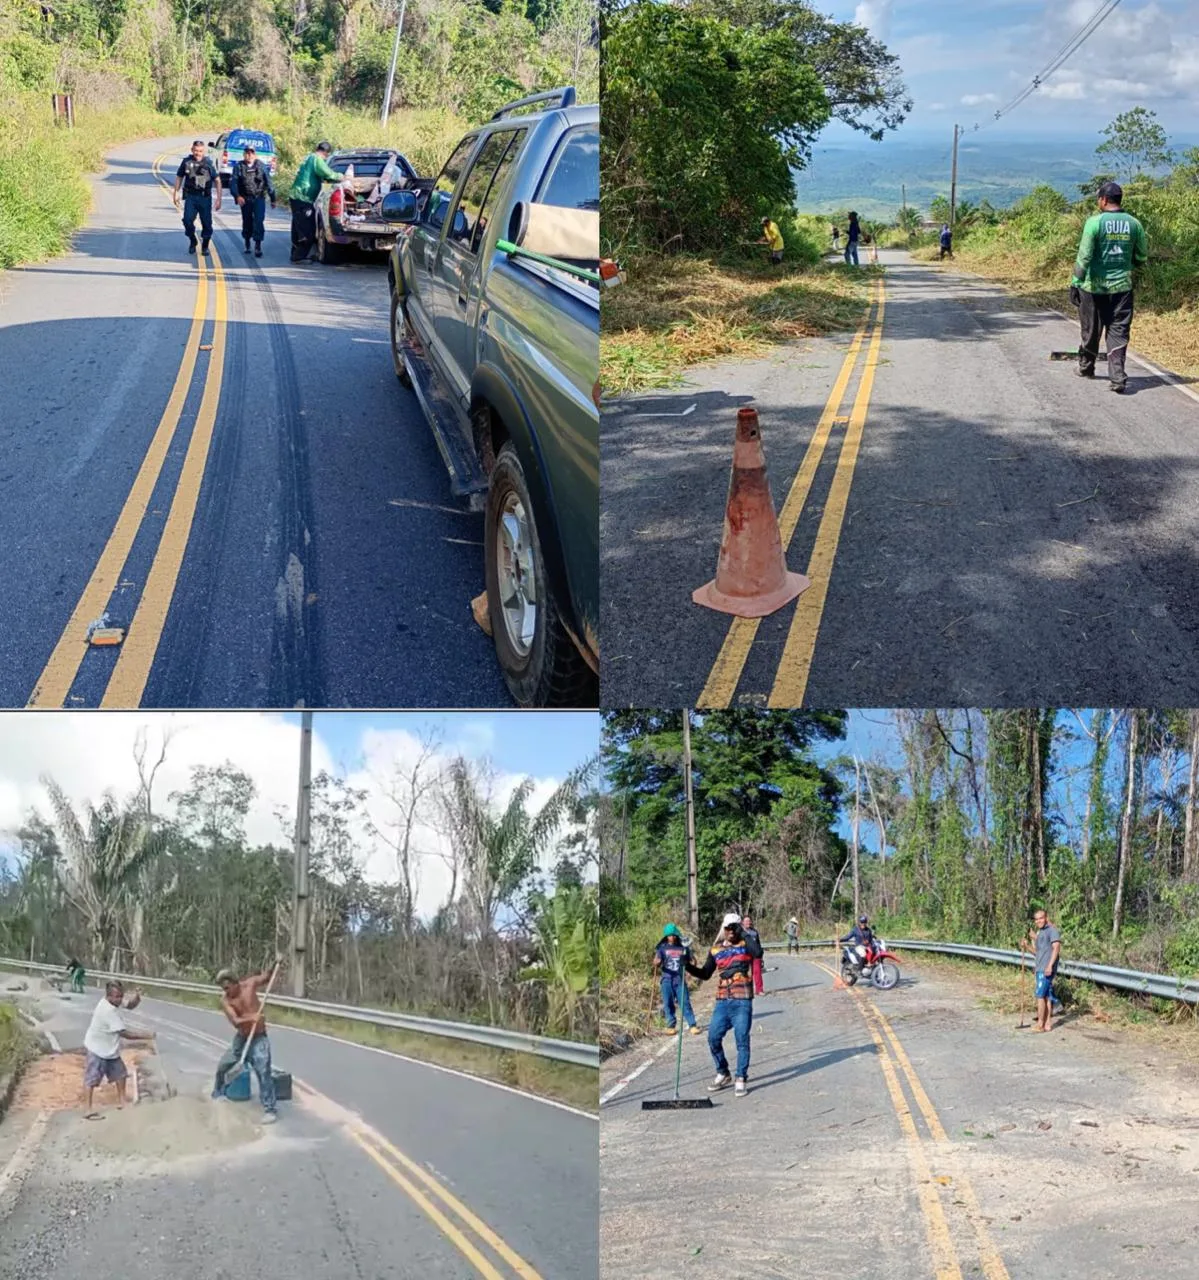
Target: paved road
[
  {"x": 299, "y": 545},
  {"x": 906, "y": 1134},
  {"x": 370, "y": 1173},
  {"x": 981, "y": 527}
]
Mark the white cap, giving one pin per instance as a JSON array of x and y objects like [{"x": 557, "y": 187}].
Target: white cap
[{"x": 731, "y": 918}]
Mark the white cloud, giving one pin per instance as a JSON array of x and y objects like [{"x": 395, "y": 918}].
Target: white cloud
[
  {"x": 88, "y": 753},
  {"x": 936, "y": 106},
  {"x": 1068, "y": 90},
  {"x": 977, "y": 99},
  {"x": 875, "y": 16}
]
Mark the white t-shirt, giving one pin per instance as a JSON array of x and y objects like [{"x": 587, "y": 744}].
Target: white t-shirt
[{"x": 104, "y": 1032}]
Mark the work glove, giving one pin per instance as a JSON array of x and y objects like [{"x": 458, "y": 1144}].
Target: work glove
[{"x": 1075, "y": 296}]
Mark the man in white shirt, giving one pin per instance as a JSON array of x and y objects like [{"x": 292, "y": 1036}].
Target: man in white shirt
[{"x": 103, "y": 1043}]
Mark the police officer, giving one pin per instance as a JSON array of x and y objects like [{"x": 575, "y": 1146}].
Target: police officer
[
  {"x": 249, "y": 186},
  {"x": 1113, "y": 245},
  {"x": 197, "y": 177}
]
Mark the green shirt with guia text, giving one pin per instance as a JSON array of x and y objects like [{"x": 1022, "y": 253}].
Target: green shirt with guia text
[{"x": 1112, "y": 245}]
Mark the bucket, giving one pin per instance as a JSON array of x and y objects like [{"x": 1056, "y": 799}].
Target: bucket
[
  {"x": 282, "y": 1081},
  {"x": 238, "y": 1090}
]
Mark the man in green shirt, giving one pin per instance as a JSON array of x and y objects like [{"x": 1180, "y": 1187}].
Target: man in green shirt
[
  {"x": 1113, "y": 245},
  {"x": 305, "y": 188}
]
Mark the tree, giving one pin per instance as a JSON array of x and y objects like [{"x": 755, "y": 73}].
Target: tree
[
  {"x": 862, "y": 81},
  {"x": 938, "y": 210},
  {"x": 1135, "y": 142},
  {"x": 703, "y": 124},
  {"x": 908, "y": 219}
]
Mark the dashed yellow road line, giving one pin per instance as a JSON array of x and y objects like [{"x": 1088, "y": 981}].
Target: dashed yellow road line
[
  {"x": 138, "y": 652},
  {"x": 722, "y": 681},
  {"x": 54, "y": 683},
  {"x": 795, "y": 665}
]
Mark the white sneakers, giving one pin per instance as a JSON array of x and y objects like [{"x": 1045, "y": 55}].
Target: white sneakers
[
  {"x": 722, "y": 1081},
  {"x": 740, "y": 1089}
]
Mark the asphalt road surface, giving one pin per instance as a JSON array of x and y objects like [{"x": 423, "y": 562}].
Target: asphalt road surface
[
  {"x": 379, "y": 1169},
  {"x": 223, "y": 463},
  {"x": 981, "y": 527},
  {"x": 905, "y": 1134}
]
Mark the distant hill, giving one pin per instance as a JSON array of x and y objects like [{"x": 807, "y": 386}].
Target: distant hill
[{"x": 869, "y": 177}]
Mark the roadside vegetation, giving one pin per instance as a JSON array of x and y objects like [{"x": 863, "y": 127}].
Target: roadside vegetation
[
  {"x": 18, "y": 1045},
  {"x": 177, "y": 890},
  {"x": 708, "y": 109},
  {"x": 303, "y": 72},
  {"x": 1030, "y": 246},
  {"x": 956, "y": 831}
]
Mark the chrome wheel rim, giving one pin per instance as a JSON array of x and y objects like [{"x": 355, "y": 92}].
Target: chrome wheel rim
[{"x": 516, "y": 574}]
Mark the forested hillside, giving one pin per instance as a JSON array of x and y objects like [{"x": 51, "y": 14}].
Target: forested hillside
[
  {"x": 171, "y": 886},
  {"x": 962, "y": 823}
]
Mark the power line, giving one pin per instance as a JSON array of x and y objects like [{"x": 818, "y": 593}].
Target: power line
[{"x": 1071, "y": 47}]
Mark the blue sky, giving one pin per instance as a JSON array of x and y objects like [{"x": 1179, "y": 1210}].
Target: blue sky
[{"x": 963, "y": 58}]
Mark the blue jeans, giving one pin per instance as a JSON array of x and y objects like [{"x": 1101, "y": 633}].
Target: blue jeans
[
  {"x": 203, "y": 206},
  {"x": 259, "y": 1058},
  {"x": 674, "y": 991},
  {"x": 851, "y": 251},
  {"x": 738, "y": 1015}
]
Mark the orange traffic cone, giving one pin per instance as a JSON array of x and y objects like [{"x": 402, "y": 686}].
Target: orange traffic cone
[{"x": 752, "y": 578}]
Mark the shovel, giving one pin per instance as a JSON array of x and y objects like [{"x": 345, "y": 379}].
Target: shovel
[{"x": 240, "y": 1069}]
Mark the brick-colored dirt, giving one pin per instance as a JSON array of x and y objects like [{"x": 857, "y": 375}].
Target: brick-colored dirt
[{"x": 55, "y": 1083}]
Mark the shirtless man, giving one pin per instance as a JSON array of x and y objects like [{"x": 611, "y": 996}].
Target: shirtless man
[{"x": 242, "y": 1006}]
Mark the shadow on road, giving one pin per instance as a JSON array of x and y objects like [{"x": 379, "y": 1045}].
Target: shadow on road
[{"x": 817, "y": 1063}]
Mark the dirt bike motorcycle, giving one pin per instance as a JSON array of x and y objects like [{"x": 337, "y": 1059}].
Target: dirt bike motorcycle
[{"x": 878, "y": 966}]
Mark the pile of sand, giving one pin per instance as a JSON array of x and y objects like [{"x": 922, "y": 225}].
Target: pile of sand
[
  {"x": 55, "y": 1083},
  {"x": 176, "y": 1129}
]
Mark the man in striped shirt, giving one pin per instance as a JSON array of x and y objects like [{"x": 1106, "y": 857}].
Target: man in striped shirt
[{"x": 731, "y": 959}]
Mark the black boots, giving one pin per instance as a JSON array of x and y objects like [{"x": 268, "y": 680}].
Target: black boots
[
  {"x": 204, "y": 245},
  {"x": 257, "y": 248}
]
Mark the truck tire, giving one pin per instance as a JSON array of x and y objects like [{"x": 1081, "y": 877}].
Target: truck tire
[
  {"x": 399, "y": 321},
  {"x": 328, "y": 254},
  {"x": 541, "y": 666}
]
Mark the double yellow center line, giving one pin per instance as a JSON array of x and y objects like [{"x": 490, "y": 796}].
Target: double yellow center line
[
  {"x": 795, "y": 664},
  {"x": 144, "y": 631},
  {"x": 893, "y": 1060},
  {"x": 469, "y": 1234}
]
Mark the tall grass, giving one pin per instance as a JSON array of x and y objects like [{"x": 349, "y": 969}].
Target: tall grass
[
  {"x": 17, "y": 1042},
  {"x": 44, "y": 193}
]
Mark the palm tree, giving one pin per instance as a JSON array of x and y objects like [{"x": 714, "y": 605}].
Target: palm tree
[{"x": 102, "y": 856}]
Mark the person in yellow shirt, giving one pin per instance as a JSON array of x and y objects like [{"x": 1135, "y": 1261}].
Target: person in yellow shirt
[{"x": 773, "y": 237}]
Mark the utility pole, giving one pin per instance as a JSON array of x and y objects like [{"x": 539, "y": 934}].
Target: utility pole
[
  {"x": 857, "y": 810},
  {"x": 692, "y": 871},
  {"x": 953, "y": 181},
  {"x": 299, "y": 915},
  {"x": 904, "y": 188},
  {"x": 391, "y": 74}
]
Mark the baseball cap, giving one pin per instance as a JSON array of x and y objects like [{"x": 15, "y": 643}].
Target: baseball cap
[
  {"x": 669, "y": 930},
  {"x": 324, "y": 146},
  {"x": 1112, "y": 191},
  {"x": 731, "y": 918}
]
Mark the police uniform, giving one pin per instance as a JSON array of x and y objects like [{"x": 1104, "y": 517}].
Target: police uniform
[{"x": 199, "y": 178}]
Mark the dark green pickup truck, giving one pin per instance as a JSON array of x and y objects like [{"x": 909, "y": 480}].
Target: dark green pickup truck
[{"x": 502, "y": 350}]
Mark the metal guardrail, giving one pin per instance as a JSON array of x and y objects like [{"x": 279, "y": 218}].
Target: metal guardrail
[
  {"x": 572, "y": 1051},
  {"x": 1167, "y": 986}
]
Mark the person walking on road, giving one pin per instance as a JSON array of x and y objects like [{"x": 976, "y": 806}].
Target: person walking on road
[
  {"x": 250, "y": 186},
  {"x": 242, "y": 1007},
  {"x": 305, "y": 188},
  {"x": 197, "y": 179},
  {"x": 747, "y": 925},
  {"x": 773, "y": 237},
  {"x": 1046, "y": 942},
  {"x": 1112, "y": 247},
  {"x": 731, "y": 958},
  {"x": 836, "y": 239},
  {"x": 852, "y": 236},
  {"x": 946, "y": 241},
  {"x": 102, "y": 1043},
  {"x": 76, "y": 974},
  {"x": 792, "y": 935},
  {"x": 671, "y": 955}
]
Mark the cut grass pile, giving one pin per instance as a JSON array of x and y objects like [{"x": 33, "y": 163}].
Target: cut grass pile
[{"x": 676, "y": 312}]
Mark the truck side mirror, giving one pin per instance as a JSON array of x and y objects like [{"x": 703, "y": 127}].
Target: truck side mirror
[{"x": 399, "y": 206}]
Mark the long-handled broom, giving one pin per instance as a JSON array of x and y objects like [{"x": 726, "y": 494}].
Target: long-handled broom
[
  {"x": 676, "y": 1103},
  {"x": 239, "y": 1070},
  {"x": 1023, "y": 990}
]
